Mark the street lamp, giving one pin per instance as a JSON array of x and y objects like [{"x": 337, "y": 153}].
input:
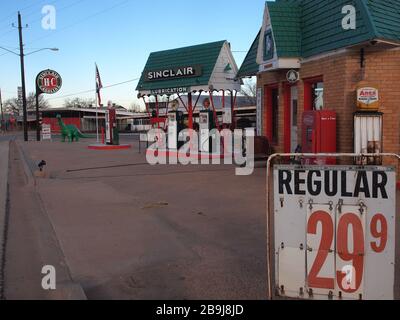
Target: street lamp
[
  {"x": 22, "y": 55},
  {"x": 51, "y": 49}
]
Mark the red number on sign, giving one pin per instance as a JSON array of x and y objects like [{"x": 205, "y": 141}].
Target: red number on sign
[
  {"x": 356, "y": 257},
  {"x": 379, "y": 234},
  {"x": 314, "y": 281}
]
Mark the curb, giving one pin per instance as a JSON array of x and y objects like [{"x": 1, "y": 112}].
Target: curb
[
  {"x": 67, "y": 289},
  {"x": 4, "y": 210}
]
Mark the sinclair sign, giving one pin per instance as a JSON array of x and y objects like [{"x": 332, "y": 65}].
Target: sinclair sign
[
  {"x": 334, "y": 232},
  {"x": 174, "y": 73},
  {"x": 48, "y": 82}
]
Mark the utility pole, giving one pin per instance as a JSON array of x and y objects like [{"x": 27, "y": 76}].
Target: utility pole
[{"x": 21, "y": 54}]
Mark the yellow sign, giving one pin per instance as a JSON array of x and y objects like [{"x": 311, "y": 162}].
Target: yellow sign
[{"x": 367, "y": 98}]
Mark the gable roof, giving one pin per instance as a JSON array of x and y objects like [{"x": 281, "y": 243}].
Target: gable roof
[
  {"x": 286, "y": 20},
  {"x": 304, "y": 28},
  {"x": 386, "y": 18},
  {"x": 204, "y": 54},
  {"x": 249, "y": 67}
]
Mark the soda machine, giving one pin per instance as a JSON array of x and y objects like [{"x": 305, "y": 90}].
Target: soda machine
[{"x": 319, "y": 135}]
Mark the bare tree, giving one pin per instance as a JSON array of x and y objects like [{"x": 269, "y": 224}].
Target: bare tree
[
  {"x": 11, "y": 106},
  {"x": 79, "y": 103},
  {"x": 136, "y": 107},
  {"x": 249, "y": 90}
]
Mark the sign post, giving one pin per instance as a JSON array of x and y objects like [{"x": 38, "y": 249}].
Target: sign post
[
  {"x": 332, "y": 230},
  {"x": 48, "y": 82}
]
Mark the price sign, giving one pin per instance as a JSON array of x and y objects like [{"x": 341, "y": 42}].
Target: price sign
[
  {"x": 46, "y": 132},
  {"x": 335, "y": 232}
]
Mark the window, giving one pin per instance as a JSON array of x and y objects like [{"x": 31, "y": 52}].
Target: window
[
  {"x": 269, "y": 46},
  {"x": 318, "y": 96},
  {"x": 314, "y": 94}
]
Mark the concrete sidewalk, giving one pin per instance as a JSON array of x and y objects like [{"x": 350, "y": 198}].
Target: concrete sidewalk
[
  {"x": 32, "y": 242},
  {"x": 4, "y": 166}
]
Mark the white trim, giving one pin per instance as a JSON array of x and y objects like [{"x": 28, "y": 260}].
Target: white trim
[
  {"x": 282, "y": 63},
  {"x": 267, "y": 25}
]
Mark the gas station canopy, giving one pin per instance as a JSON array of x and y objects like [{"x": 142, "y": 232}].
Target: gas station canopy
[{"x": 205, "y": 67}]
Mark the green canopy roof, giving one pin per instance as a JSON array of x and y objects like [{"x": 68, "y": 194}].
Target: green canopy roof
[
  {"x": 304, "y": 28},
  {"x": 249, "y": 67},
  {"x": 205, "y": 55}
]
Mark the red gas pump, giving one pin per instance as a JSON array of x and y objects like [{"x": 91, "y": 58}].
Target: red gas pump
[{"x": 319, "y": 135}]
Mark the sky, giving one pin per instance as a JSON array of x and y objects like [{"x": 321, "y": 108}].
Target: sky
[{"x": 118, "y": 35}]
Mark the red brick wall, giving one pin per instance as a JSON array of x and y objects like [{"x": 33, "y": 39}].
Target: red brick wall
[{"x": 341, "y": 74}]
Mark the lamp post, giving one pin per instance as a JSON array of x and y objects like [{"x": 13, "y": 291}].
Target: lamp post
[{"x": 21, "y": 54}]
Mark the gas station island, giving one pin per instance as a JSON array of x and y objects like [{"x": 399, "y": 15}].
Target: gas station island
[{"x": 207, "y": 69}]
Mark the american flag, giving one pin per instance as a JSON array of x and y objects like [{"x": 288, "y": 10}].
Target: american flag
[{"x": 99, "y": 85}]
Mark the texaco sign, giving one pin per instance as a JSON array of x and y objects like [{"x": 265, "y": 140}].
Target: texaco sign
[{"x": 48, "y": 81}]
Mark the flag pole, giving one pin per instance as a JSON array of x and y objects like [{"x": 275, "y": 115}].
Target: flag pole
[{"x": 97, "y": 105}]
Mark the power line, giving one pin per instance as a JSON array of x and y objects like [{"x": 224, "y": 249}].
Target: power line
[
  {"x": 33, "y": 12},
  {"x": 36, "y": 20},
  {"x": 94, "y": 90},
  {"x": 82, "y": 20},
  {"x": 28, "y": 7},
  {"x": 73, "y": 24}
]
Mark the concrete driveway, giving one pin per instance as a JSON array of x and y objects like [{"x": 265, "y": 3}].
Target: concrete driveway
[{"x": 133, "y": 231}]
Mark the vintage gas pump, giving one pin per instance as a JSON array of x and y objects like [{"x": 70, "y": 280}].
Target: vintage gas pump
[
  {"x": 111, "y": 126},
  {"x": 207, "y": 123},
  {"x": 175, "y": 126},
  {"x": 368, "y": 125}
]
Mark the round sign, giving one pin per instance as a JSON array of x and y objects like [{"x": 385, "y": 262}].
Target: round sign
[
  {"x": 49, "y": 82},
  {"x": 292, "y": 76}
]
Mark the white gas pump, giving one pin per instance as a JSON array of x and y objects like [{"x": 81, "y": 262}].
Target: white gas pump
[
  {"x": 173, "y": 126},
  {"x": 207, "y": 124},
  {"x": 108, "y": 127},
  {"x": 204, "y": 132},
  {"x": 172, "y": 131}
]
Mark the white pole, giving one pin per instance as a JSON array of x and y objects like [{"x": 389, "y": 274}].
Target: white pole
[{"x": 97, "y": 107}]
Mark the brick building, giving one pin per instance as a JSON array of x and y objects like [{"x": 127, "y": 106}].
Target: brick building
[{"x": 331, "y": 48}]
